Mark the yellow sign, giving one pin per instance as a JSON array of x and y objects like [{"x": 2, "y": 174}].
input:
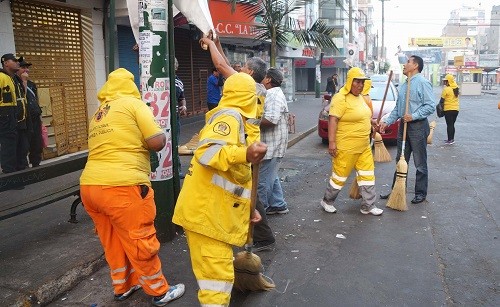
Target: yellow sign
[
  {"x": 458, "y": 61},
  {"x": 444, "y": 42}
]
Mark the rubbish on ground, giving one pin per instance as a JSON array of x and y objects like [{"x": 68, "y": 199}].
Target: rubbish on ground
[{"x": 340, "y": 236}]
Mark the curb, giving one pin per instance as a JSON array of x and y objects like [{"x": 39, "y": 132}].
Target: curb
[
  {"x": 51, "y": 290},
  {"x": 302, "y": 135}
]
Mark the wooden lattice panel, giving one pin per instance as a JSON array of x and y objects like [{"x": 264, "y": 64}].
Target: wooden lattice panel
[
  {"x": 50, "y": 37},
  {"x": 59, "y": 119}
]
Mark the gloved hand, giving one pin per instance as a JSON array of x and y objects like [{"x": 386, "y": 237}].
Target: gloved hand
[{"x": 153, "y": 160}]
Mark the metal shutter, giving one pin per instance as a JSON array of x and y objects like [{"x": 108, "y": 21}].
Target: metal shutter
[{"x": 50, "y": 37}]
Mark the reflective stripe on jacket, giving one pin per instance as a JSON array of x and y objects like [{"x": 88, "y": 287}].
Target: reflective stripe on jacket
[{"x": 215, "y": 197}]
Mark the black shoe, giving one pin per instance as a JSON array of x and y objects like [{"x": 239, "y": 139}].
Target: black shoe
[
  {"x": 182, "y": 175},
  {"x": 385, "y": 196},
  {"x": 260, "y": 246},
  {"x": 418, "y": 199}
]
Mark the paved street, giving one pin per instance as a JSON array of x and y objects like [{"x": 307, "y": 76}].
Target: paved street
[{"x": 442, "y": 252}]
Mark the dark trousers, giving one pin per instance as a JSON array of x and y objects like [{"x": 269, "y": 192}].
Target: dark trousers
[
  {"x": 416, "y": 143},
  {"x": 261, "y": 230},
  {"x": 36, "y": 147},
  {"x": 8, "y": 140},
  {"x": 451, "y": 118},
  {"x": 23, "y": 146}
]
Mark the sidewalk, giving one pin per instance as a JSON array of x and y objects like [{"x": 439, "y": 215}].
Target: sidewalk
[{"x": 44, "y": 258}]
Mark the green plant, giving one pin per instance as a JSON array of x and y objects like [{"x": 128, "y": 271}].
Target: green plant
[{"x": 278, "y": 27}]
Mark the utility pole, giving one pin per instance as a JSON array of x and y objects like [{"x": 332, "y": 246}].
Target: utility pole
[
  {"x": 158, "y": 90},
  {"x": 382, "y": 52},
  {"x": 350, "y": 22},
  {"x": 366, "y": 35}
]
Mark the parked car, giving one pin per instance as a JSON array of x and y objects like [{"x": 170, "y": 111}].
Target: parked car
[{"x": 379, "y": 83}]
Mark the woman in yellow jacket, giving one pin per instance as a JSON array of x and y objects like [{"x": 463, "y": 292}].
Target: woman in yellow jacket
[
  {"x": 214, "y": 204},
  {"x": 349, "y": 128},
  {"x": 451, "y": 102},
  {"x": 117, "y": 193}
]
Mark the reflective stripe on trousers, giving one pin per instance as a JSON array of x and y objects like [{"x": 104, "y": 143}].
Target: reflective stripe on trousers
[{"x": 212, "y": 263}]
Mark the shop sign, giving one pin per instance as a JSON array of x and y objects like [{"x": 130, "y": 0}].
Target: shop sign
[
  {"x": 304, "y": 63},
  {"x": 328, "y": 62},
  {"x": 471, "y": 60},
  {"x": 444, "y": 42},
  {"x": 489, "y": 60},
  {"x": 232, "y": 24},
  {"x": 308, "y": 52},
  {"x": 235, "y": 29},
  {"x": 458, "y": 61}
]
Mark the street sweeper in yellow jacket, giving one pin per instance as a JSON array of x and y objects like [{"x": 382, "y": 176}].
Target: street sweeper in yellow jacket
[{"x": 214, "y": 204}]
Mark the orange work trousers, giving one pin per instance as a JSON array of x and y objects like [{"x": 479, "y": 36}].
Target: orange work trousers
[{"x": 125, "y": 225}]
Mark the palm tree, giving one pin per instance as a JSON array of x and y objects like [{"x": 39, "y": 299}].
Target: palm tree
[{"x": 278, "y": 27}]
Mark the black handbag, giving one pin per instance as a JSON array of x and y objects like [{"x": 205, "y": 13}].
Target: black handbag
[{"x": 440, "y": 109}]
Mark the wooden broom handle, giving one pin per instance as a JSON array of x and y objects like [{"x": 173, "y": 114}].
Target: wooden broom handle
[
  {"x": 253, "y": 199},
  {"x": 406, "y": 109},
  {"x": 385, "y": 96}
]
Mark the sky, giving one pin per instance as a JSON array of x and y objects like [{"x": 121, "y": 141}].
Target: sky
[{"x": 418, "y": 18}]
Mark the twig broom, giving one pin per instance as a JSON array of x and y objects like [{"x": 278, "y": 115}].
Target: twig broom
[
  {"x": 247, "y": 265},
  {"x": 354, "y": 189},
  {"x": 380, "y": 153},
  {"x": 432, "y": 126},
  {"x": 397, "y": 199}
]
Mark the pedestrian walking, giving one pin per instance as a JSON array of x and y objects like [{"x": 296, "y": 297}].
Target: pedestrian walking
[
  {"x": 117, "y": 193},
  {"x": 9, "y": 93},
  {"x": 421, "y": 106},
  {"x": 449, "y": 97},
  {"x": 331, "y": 84},
  {"x": 35, "y": 114},
  {"x": 213, "y": 89},
  {"x": 214, "y": 203},
  {"x": 349, "y": 130},
  {"x": 181, "y": 109}
]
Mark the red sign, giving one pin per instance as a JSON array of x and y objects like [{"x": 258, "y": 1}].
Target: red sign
[
  {"x": 308, "y": 52},
  {"x": 328, "y": 62},
  {"x": 228, "y": 24},
  {"x": 300, "y": 63}
]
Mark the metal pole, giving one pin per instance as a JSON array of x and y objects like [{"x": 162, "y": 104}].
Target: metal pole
[
  {"x": 350, "y": 21},
  {"x": 156, "y": 90},
  {"x": 111, "y": 36},
  {"x": 382, "y": 52},
  {"x": 173, "y": 101}
]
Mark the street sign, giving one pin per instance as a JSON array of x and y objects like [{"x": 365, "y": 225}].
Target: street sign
[{"x": 458, "y": 61}]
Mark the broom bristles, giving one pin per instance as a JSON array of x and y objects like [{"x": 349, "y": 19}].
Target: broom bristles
[
  {"x": 189, "y": 147},
  {"x": 381, "y": 154},
  {"x": 397, "y": 199},
  {"x": 354, "y": 190},
  {"x": 432, "y": 125},
  {"x": 248, "y": 273}
]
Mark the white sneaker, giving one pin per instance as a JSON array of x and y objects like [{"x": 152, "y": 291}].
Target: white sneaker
[
  {"x": 327, "y": 207},
  {"x": 172, "y": 294},
  {"x": 374, "y": 211}
]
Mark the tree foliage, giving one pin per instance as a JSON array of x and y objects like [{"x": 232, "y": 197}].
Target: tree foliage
[{"x": 278, "y": 27}]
